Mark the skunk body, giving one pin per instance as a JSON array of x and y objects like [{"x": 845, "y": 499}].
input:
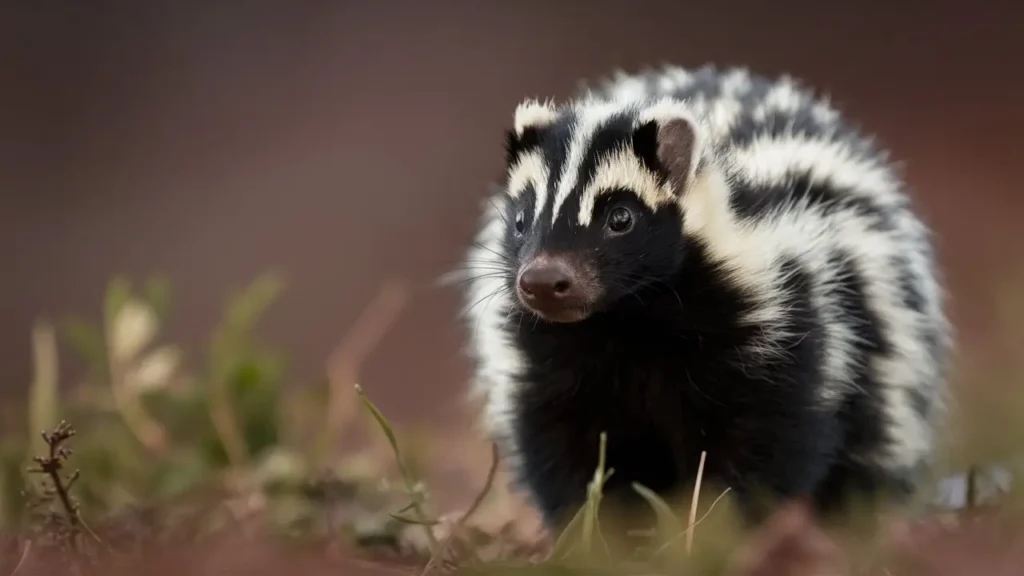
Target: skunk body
[{"x": 705, "y": 261}]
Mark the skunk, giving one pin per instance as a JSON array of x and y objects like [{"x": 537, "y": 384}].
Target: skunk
[{"x": 705, "y": 261}]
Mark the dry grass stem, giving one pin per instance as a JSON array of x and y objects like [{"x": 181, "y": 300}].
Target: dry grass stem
[
  {"x": 693, "y": 525},
  {"x": 43, "y": 393},
  {"x": 693, "y": 504},
  {"x": 369, "y": 328},
  {"x": 473, "y": 507}
]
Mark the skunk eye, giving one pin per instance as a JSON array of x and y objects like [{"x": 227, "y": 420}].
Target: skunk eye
[
  {"x": 520, "y": 223},
  {"x": 620, "y": 220}
]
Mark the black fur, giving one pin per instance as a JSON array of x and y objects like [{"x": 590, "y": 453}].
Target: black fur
[
  {"x": 659, "y": 373},
  {"x": 664, "y": 383}
]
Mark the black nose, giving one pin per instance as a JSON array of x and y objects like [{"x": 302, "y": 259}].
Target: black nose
[{"x": 546, "y": 281}]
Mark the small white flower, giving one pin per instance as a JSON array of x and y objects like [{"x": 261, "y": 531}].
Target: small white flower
[
  {"x": 133, "y": 328},
  {"x": 155, "y": 370}
]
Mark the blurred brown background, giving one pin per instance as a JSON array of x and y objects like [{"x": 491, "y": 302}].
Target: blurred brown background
[{"x": 346, "y": 142}]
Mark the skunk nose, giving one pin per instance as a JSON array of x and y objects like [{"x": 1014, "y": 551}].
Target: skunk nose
[{"x": 546, "y": 282}]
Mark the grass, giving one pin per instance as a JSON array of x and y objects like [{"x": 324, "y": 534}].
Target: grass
[{"x": 214, "y": 465}]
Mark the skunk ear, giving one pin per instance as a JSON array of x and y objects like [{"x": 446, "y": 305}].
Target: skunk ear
[
  {"x": 669, "y": 138},
  {"x": 530, "y": 118}
]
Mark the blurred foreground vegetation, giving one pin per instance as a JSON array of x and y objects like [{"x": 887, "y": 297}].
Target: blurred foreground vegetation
[
  {"x": 168, "y": 448},
  {"x": 154, "y": 426}
]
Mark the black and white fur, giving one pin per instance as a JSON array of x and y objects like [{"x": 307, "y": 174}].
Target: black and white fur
[{"x": 777, "y": 307}]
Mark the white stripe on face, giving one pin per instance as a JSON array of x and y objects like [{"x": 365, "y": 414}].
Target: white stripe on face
[
  {"x": 529, "y": 170},
  {"x": 590, "y": 119},
  {"x": 622, "y": 170}
]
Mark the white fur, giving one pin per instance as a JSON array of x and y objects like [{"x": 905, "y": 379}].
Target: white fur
[
  {"x": 736, "y": 83},
  {"x": 747, "y": 249},
  {"x": 497, "y": 360},
  {"x": 529, "y": 170},
  {"x": 592, "y": 115},
  {"x": 767, "y": 161},
  {"x": 618, "y": 168},
  {"x": 622, "y": 169},
  {"x": 627, "y": 87},
  {"x": 532, "y": 113}
]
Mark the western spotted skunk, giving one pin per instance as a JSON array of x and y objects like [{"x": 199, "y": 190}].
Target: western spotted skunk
[{"x": 713, "y": 261}]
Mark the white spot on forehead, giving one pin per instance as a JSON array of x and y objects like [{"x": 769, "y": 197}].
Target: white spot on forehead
[{"x": 591, "y": 116}]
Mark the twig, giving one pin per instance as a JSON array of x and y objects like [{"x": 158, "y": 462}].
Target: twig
[
  {"x": 693, "y": 504},
  {"x": 52, "y": 464},
  {"x": 369, "y": 328},
  {"x": 488, "y": 483},
  {"x": 477, "y": 502}
]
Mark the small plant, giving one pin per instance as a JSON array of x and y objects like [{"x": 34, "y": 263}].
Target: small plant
[
  {"x": 56, "y": 523},
  {"x": 51, "y": 465}
]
